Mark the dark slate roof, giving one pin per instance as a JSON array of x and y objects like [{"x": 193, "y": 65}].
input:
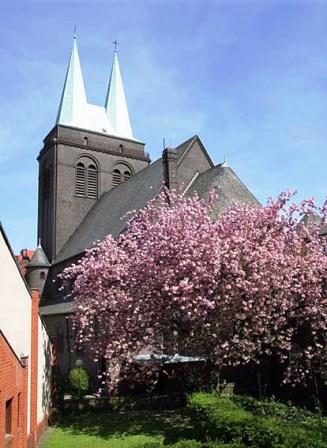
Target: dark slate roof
[
  {"x": 323, "y": 230},
  {"x": 230, "y": 187},
  {"x": 56, "y": 308},
  {"x": 39, "y": 258},
  {"x": 314, "y": 218},
  {"x": 310, "y": 218},
  {"x": 108, "y": 214}
]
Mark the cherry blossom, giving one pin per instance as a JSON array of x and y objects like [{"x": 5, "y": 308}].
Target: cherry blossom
[{"x": 248, "y": 284}]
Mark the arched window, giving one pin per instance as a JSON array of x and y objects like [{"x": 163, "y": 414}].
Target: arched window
[
  {"x": 86, "y": 181},
  {"x": 127, "y": 175},
  {"x": 42, "y": 275},
  {"x": 116, "y": 178},
  {"x": 121, "y": 173},
  {"x": 80, "y": 180},
  {"x": 92, "y": 182}
]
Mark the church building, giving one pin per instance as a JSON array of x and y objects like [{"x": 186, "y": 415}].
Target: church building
[{"x": 92, "y": 171}]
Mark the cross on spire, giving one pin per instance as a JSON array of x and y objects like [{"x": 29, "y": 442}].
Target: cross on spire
[{"x": 116, "y": 45}]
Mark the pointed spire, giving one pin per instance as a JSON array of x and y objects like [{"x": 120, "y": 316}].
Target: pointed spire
[
  {"x": 39, "y": 258},
  {"x": 224, "y": 164},
  {"x": 73, "y": 101},
  {"x": 116, "y": 106}
]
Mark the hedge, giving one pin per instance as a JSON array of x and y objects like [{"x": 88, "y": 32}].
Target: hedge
[{"x": 225, "y": 420}]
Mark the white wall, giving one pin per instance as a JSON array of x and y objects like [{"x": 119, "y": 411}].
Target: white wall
[
  {"x": 15, "y": 323},
  {"x": 15, "y": 309},
  {"x": 15, "y": 303},
  {"x": 44, "y": 375}
]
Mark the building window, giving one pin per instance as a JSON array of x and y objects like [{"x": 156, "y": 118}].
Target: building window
[
  {"x": 121, "y": 173},
  {"x": 80, "y": 179},
  {"x": 86, "y": 141},
  {"x": 9, "y": 417},
  {"x": 92, "y": 182},
  {"x": 116, "y": 178},
  {"x": 127, "y": 175},
  {"x": 42, "y": 276},
  {"x": 86, "y": 180}
]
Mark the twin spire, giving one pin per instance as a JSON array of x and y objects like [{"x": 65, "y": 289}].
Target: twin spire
[{"x": 74, "y": 110}]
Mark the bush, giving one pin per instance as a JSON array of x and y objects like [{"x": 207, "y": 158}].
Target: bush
[
  {"x": 221, "y": 445},
  {"x": 187, "y": 444},
  {"x": 79, "y": 380},
  {"x": 273, "y": 408},
  {"x": 296, "y": 437},
  {"x": 153, "y": 445},
  {"x": 224, "y": 420},
  {"x": 196, "y": 444}
]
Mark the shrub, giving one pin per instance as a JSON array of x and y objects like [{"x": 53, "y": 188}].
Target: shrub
[
  {"x": 221, "y": 419},
  {"x": 187, "y": 444},
  {"x": 79, "y": 379},
  {"x": 155, "y": 444},
  {"x": 224, "y": 420},
  {"x": 296, "y": 437},
  {"x": 196, "y": 444},
  {"x": 273, "y": 408},
  {"x": 221, "y": 445}
]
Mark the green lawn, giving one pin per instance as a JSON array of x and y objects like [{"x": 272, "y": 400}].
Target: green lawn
[
  {"x": 121, "y": 430},
  {"x": 208, "y": 418}
]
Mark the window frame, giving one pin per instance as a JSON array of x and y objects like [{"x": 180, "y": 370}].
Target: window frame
[
  {"x": 9, "y": 417},
  {"x": 86, "y": 178}
]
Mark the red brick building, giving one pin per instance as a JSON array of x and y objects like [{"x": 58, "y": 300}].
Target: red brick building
[{"x": 25, "y": 357}]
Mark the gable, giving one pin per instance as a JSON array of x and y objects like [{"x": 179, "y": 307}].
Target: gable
[{"x": 193, "y": 160}]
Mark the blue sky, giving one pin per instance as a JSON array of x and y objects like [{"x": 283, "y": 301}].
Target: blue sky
[{"x": 249, "y": 77}]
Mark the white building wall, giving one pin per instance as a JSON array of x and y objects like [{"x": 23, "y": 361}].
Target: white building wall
[
  {"x": 15, "y": 309},
  {"x": 15, "y": 304},
  {"x": 44, "y": 374}
]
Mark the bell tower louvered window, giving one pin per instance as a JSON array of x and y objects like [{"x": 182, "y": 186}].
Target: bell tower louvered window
[
  {"x": 92, "y": 182},
  {"x": 86, "y": 181},
  {"x": 80, "y": 183},
  {"x": 121, "y": 173},
  {"x": 116, "y": 178},
  {"x": 127, "y": 175}
]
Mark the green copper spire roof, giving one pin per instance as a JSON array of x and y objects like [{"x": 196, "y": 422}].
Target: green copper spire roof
[
  {"x": 73, "y": 100},
  {"x": 74, "y": 110},
  {"x": 116, "y": 106}
]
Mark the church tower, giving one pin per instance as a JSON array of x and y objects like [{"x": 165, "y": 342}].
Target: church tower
[{"x": 90, "y": 150}]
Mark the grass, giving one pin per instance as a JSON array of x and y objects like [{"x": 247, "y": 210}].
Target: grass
[
  {"x": 121, "y": 430},
  {"x": 208, "y": 417}
]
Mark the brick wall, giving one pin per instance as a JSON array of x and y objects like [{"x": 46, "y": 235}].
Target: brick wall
[{"x": 13, "y": 388}]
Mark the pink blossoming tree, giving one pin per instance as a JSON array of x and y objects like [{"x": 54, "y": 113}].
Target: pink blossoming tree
[{"x": 249, "y": 284}]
